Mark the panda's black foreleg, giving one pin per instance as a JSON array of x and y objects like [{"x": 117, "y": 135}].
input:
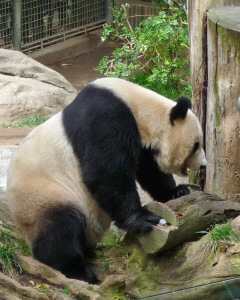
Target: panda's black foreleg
[
  {"x": 161, "y": 186},
  {"x": 139, "y": 221},
  {"x": 117, "y": 195},
  {"x": 61, "y": 243},
  {"x": 105, "y": 138},
  {"x": 179, "y": 191}
]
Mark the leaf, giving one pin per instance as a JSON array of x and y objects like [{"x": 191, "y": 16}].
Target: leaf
[{"x": 154, "y": 47}]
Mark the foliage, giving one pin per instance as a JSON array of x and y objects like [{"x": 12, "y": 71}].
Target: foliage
[
  {"x": 10, "y": 247},
  {"x": 27, "y": 122},
  {"x": 65, "y": 291},
  {"x": 113, "y": 238},
  {"x": 168, "y": 90},
  {"x": 157, "y": 48},
  {"x": 220, "y": 233},
  {"x": 5, "y": 237},
  {"x": 45, "y": 288},
  {"x": 182, "y": 4},
  {"x": 9, "y": 260},
  {"x": 105, "y": 265},
  {"x": 24, "y": 248},
  {"x": 8, "y": 226}
]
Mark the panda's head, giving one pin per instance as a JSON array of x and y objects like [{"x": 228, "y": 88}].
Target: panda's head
[
  {"x": 181, "y": 148},
  {"x": 169, "y": 128}
]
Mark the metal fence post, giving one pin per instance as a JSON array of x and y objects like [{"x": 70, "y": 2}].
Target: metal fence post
[
  {"x": 17, "y": 16},
  {"x": 109, "y": 13}
]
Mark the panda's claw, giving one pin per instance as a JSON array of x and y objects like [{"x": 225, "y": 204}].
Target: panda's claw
[
  {"x": 153, "y": 218},
  {"x": 180, "y": 190},
  {"x": 140, "y": 222}
]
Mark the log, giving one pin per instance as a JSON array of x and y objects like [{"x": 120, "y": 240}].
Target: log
[
  {"x": 197, "y": 20},
  {"x": 199, "y": 210},
  {"x": 200, "y": 64},
  {"x": 223, "y": 118}
]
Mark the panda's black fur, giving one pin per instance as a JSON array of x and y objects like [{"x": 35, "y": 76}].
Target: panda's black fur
[
  {"x": 103, "y": 133},
  {"x": 111, "y": 158},
  {"x": 108, "y": 149},
  {"x": 63, "y": 245},
  {"x": 162, "y": 187}
]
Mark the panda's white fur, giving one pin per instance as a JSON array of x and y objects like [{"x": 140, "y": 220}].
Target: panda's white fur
[
  {"x": 45, "y": 172},
  {"x": 151, "y": 112},
  {"x": 34, "y": 186}
]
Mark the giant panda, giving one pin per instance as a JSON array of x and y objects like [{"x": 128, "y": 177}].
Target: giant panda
[{"x": 77, "y": 172}]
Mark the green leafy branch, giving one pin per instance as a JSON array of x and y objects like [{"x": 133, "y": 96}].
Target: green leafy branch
[{"x": 158, "y": 47}]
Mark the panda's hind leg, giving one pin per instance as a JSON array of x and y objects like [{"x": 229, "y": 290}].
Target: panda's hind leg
[{"x": 61, "y": 242}]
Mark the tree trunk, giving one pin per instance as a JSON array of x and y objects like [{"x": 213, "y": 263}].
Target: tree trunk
[
  {"x": 223, "y": 118},
  {"x": 215, "y": 98}
]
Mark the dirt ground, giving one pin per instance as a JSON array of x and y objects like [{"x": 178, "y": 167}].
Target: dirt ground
[
  {"x": 79, "y": 71},
  {"x": 13, "y": 136}
]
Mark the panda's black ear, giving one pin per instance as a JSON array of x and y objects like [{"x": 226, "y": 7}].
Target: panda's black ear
[{"x": 180, "y": 109}]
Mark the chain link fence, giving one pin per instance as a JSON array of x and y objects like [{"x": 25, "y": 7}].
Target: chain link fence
[
  {"x": 6, "y": 16},
  {"x": 138, "y": 11},
  {"x": 44, "y": 22}
]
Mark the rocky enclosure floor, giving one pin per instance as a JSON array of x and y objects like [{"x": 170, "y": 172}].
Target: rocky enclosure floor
[{"x": 13, "y": 136}]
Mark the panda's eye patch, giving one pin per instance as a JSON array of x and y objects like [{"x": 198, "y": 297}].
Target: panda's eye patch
[{"x": 195, "y": 147}]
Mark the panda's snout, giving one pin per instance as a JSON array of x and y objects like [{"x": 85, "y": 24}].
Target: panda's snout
[
  {"x": 196, "y": 161},
  {"x": 202, "y": 159},
  {"x": 204, "y": 162}
]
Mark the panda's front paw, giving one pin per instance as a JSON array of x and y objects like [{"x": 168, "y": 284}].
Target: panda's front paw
[
  {"x": 140, "y": 221},
  {"x": 180, "y": 190}
]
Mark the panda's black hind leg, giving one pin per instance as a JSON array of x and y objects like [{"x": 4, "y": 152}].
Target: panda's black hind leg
[
  {"x": 80, "y": 272},
  {"x": 61, "y": 243}
]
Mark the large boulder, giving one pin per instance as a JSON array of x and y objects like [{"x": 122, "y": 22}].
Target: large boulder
[{"x": 28, "y": 88}]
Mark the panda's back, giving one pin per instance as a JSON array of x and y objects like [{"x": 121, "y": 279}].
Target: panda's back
[
  {"x": 41, "y": 161},
  {"x": 42, "y": 151}
]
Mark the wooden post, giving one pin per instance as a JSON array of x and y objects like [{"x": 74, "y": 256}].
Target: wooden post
[
  {"x": 17, "y": 16},
  {"x": 109, "y": 7},
  {"x": 223, "y": 118},
  {"x": 200, "y": 65}
]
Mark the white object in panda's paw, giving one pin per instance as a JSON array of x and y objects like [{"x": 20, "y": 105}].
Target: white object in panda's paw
[{"x": 162, "y": 222}]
